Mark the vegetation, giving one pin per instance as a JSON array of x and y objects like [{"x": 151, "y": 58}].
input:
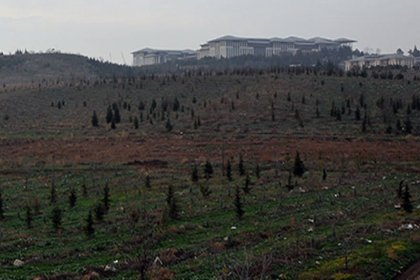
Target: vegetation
[{"x": 321, "y": 190}]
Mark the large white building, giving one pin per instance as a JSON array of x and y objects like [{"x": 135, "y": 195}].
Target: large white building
[
  {"x": 231, "y": 46},
  {"x": 152, "y": 56}
]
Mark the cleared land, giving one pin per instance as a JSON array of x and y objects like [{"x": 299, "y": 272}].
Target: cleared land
[{"x": 345, "y": 226}]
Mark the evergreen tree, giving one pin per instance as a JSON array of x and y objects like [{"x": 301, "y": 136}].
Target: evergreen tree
[
  {"x": 72, "y": 198},
  {"x": 106, "y": 200},
  {"x": 99, "y": 212},
  {"x": 117, "y": 116},
  {"x": 147, "y": 182},
  {"x": 238, "y": 204},
  {"x": 109, "y": 115},
  {"x": 241, "y": 166},
  {"x": 172, "y": 204},
  {"x": 1, "y": 207},
  {"x": 247, "y": 188},
  {"x": 408, "y": 126},
  {"x": 208, "y": 170},
  {"x": 168, "y": 125},
  {"x": 298, "y": 167},
  {"x": 357, "y": 114},
  {"x": 406, "y": 205},
  {"x": 324, "y": 174},
  {"x": 56, "y": 217},
  {"x": 229, "y": 171},
  {"x": 194, "y": 174},
  {"x": 257, "y": 171},
  {"x": 28, "y": 217},
  {"x": 89, "y": 229},
  {"x": 53, "y": 193},
  {"x": 136, "y": 123},
  {"x": 113, "y": 126},
  {"x": 95, "y": 122}
]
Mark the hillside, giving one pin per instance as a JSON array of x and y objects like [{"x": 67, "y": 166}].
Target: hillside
[
  {"x": 28, "y": 69},
  {"x": 282, "y": 173}
]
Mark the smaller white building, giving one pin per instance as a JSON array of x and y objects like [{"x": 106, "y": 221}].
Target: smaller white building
[
  {"x": 380, "y": 60},
  {"x": 153, "y": 56}
]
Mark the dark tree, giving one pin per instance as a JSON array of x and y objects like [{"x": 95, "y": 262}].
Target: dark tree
[
  {"x": 147, "y": 182},
  {"x": 257, "y": 171},
  {"x": 408, "y": 126},
  {"x": 109, "y": 115},
  {"x": 324, "y": 174},
  {"x": 194, "y": 174},
  {"x": 298, "y": 167},
  {"x": 238, "y": 204},
  {"x": 95, "y": 122},
  {"x": 136, "y": 123},
  {"x": 208, "y": 170},
  {"x": 357, "y": 114},
  {"x": 168, "y": 125},
  {"x": 89, "y": 230},
  {"x": 172, "y": 204},
  {"x": 229, "y": 170},
  {"x": 117, "y": 116},
  {"x": 106, "y": 200},
  {"x": 1, "y": 207},
  {"x": 53, "y": 193},
  {"x": 56, "y": 217},
  {"x": 241, "y": 166},
  {"x": 406, "y": 205},
  {"x": 72, "y": 198},
  {"x": 99, "y": 212},
  {"x": 247, "y": 184},
  {"x": 113, "y": 126},
  {"x": 28, "y": 217}
]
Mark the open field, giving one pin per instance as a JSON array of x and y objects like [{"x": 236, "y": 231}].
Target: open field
[{"x": 357, "y": 137}]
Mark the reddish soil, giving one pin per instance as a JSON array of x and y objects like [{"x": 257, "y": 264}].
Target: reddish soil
[{"x": 183, "y": 149}]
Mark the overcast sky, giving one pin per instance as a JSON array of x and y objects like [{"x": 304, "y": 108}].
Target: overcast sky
[{"x": 112, "y": 29}]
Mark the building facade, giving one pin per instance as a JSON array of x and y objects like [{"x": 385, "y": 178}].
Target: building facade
[
  {"x": 152, "y": 56},
  {"x": 380, "y": 60},
  {"x": 231, "y": 46}
]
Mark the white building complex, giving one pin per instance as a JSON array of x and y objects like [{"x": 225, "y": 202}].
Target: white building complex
[
  {"x": 231, "y": 46},
  {"x": 152, "y": 56},
  {"x": 369, "y": 61}
]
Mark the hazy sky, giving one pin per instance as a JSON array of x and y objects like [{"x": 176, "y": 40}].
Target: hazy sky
[{"x": 112, "y": 29}]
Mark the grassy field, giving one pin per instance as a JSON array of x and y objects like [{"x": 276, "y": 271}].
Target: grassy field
[{"x": 357, "y": 137}]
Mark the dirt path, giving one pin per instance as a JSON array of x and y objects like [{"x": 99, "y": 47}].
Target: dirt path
[{"x": 413, "y": 273}]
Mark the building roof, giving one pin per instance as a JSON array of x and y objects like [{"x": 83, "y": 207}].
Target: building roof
[
  {"x": 379, "y": 57},
  {"x": 290, "y": 39},
  {"x": 156, "y": 51}
]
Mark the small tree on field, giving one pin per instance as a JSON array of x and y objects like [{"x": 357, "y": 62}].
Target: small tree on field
[
  {"x": 247, "y": 188},
  {"x": 229, "y": 170},
  {"x": 109, "y": 115},
  {"x": 406, "y": 205},
  {"x": 28, "y": 217},
  {"x": 208, "y": 169},
  {"x": 56, "y": 217},
  {"x": 257, "y": 171},
  {"x": 238, "y": 204},
  {"x": 72, "y": 198},
  {"x": 298, "y": 167},
  {"x": 53, "y": 193},
  {"x": 147, "y": 182},
  {"x": 194, "y": 174},
  {"x": 95, "y": 121},
  {"x": 172, "y": 204},
  {"x": 106, "y": 200},
  {"x": 89, "y": 229},
  {"x": 1, "y": 207},
  {"x": 241, "y": 166},
  {"x": 99, "y": 212}
]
